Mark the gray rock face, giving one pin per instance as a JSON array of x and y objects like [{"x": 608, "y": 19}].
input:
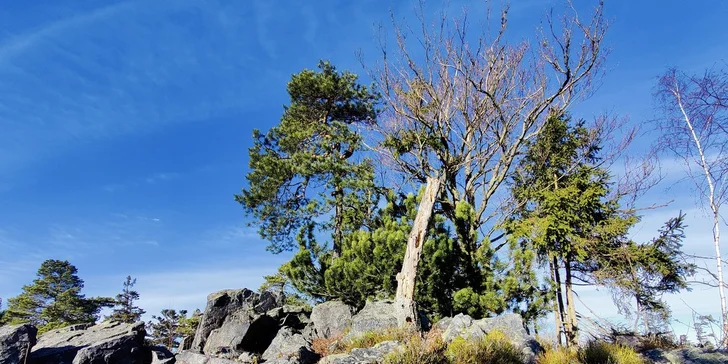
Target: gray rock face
[
  {"x": 243, "y": 331},
  {"x": 509, "y": 324},
  {"x": 290, "y": 346},
  {"x": 362, "y": 356},
  {"x": 188, "y": 357},
  {"x": 15, "y": 343},
  {"x": 219, "y": 305},
  {"x": 296, "y": 317},
  {"x": 375, "y": 316},
  {"x": 160, "y": 355},
  {"x": 686, "y": 356},
  {"x": 108, "y": 342},
  {"x": 331, "y": 318}
]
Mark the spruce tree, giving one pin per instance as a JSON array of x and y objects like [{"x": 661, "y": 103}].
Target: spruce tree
[
  {"x": 566, "y": 213},
  {"x": 54, "y": 300},
  {"x": 125, "y": 310}
]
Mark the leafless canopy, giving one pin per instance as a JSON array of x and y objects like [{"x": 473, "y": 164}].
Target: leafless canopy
[{"x": 460, "y": 105}]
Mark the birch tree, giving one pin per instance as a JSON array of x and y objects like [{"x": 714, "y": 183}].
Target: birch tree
[
  {"x": 460, "y": 107},
  {"x": 694, "y": 127}
]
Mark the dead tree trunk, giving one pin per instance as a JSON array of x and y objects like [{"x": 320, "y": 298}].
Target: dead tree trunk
[{"x": 406, "y": 278}]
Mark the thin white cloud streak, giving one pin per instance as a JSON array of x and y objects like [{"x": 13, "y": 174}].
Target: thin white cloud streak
[{"x": 128, "y": 68}]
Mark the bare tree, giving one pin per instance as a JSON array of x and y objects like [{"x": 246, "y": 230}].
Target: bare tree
[
  {"x": 461, "y": 107},
  {"x": 695, "y": 128}
]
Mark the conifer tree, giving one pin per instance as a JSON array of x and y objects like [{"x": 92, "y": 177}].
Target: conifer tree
[
  {"x": 567, "y": 214},
  {"x": 306, "y": 173},
  {"x": 125, "y": 310},
  {"x": 165, "y": 329},
  {"x": 54, "y": 299}
]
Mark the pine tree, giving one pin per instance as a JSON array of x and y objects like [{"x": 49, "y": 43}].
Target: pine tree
[
  {"x": 125, "y": 310},
  {"x": 54, "y": 300},
  {"x": 165, "y": 329},
  {"x": 306, "y": 173}
]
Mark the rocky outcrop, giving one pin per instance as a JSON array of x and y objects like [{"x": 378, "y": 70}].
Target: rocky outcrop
[
  {"x": 188, "y": 357},
  {"x": 15, "y": 343},
  {"x": 108, "y": 342},
  {"x": 686, "y": 356},
  {"x": 372, "y": 355},
  {"x": 243, "y": 326},
  {"x": 331, "y": 319},
  {"x": 375, "y": 316},
  {"x": 292, "y": 347},
  {"x": 509, "y": 324}
]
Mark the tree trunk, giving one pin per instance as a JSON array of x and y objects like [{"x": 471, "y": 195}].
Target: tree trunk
[
  {"x": 571, "y": 334},
  {"x": 406, "y": 278},
  {"x": 338, "y": 221},
  {"x": 558, "y": 304},
  {"x": 719, "y": 263}
]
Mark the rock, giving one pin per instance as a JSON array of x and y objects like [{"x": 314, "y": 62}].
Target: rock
[
  {"x": 331, "y": 318},
  {"x": 160, "y": 355},
  {"x": 267, "y": 301},
  {"x": 455, "y": 326},
  {"x": 290, "y": 345},
  {"x": 375, "y": 316},
  {"x": 248, "y": 358},
  {"x": 686, "y": 356},
  {"x": 242, "y": 331},
  {"x": 108, "y": 342},
  {"x": 16, "y": 342},
  {"x": 361, "y": 356},
  {"x": 509, "y": 324},
  {"x": 630, "y": 341},
  {"x": 188, "y": 357},
  {"x": 185, "y": 343},
  {"x": 296, "y": 317},
  {"x": 219, "y": 305}
]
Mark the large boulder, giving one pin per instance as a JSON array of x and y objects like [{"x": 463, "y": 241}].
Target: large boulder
[
  {"x": 188, "y": 357},
  {"x": 686, "y": 356},
  {"x": 509, "y": 324},
  {"x": 161, "y": 355},
  {"x": 219, "y": 306},
  {"x": 290, "y": 346},
  {"x": 372, "y": 355},
  {"x": 242, "y": 331},
  {"x": 296, "y": 317},
  {"x": 108, "y": 342},
  {"x": 15, "y": 343},
  {"x": 331, "y": 318},
  {"x": 375, "y": 316}
]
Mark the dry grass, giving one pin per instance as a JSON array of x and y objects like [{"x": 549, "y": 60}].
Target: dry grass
[{"x": 592, "y": 353}]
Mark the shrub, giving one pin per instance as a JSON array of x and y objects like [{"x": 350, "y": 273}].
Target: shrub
[
  {"x": 427, "y": 350},
  {"x": 557, "y": 355},
  {"x": 606, "y": 353},
  {"x": 494, "y": 348},
  {"x": 371, "y": 338}
]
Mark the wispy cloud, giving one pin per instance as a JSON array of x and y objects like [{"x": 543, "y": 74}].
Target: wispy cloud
[
  {"x": 150, "y": 180},
  {"x": 130, "y": 67}
]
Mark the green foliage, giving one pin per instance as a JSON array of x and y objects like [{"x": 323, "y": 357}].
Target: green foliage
[
  {"x": 280, "y": 283},
  {"x": 371, "y": 259},
  {"x": 54, "y": 300},
  {"x": 305, "y": 172},
  {"x": 648, "y": 271},
  {"x": 171, "y": 326},
  {"x": 125, "y": 310}
]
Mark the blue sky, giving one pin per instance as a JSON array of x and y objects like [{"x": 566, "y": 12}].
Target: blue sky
[{"x": 124, "y": 125}]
